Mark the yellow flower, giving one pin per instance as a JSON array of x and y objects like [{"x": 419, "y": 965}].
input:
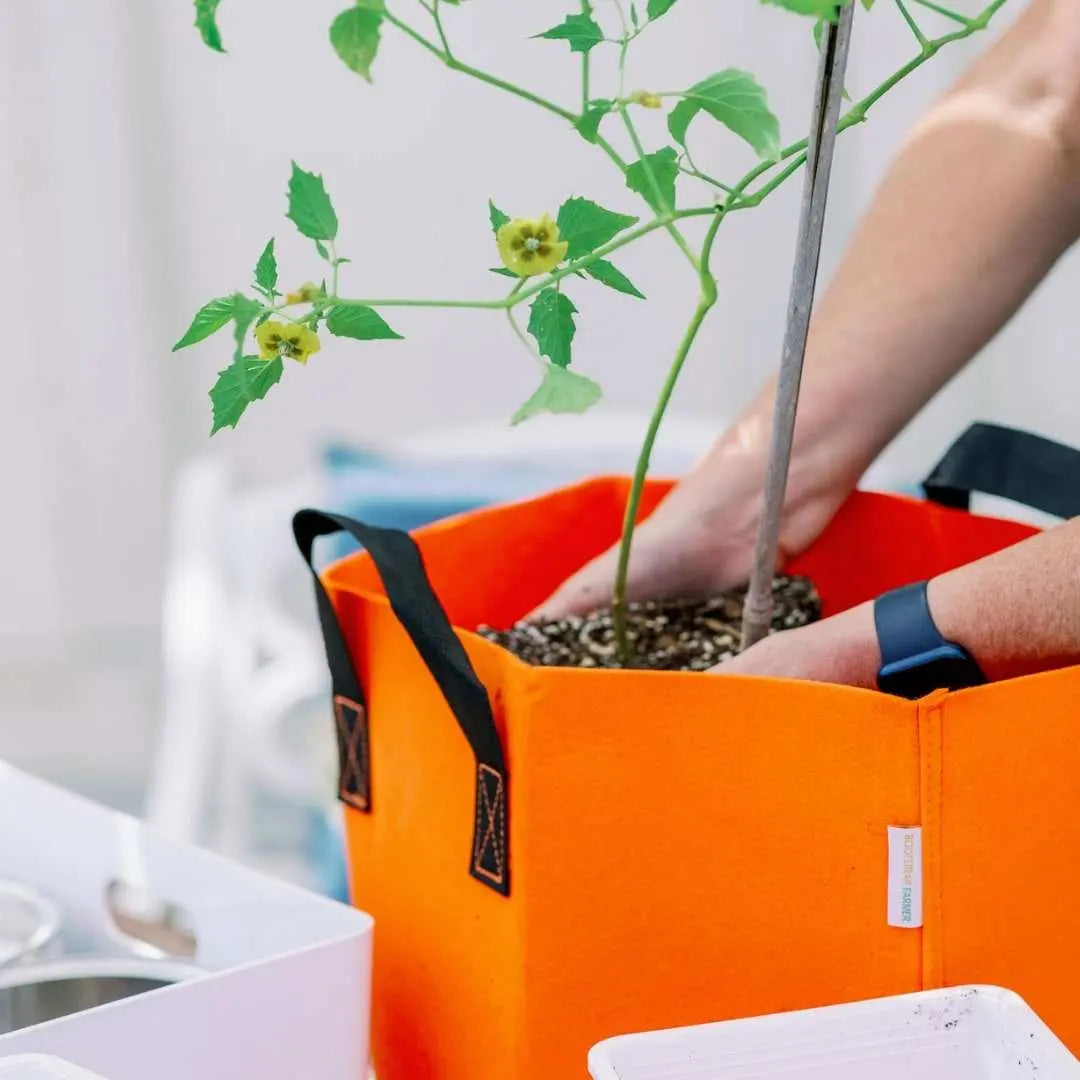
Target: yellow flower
[
  {"x": 647, "y": 99},
  {"x": 304, "y": 295},
  {"x": 293, "y": 340},
  {"x": 529, "y": 246}
]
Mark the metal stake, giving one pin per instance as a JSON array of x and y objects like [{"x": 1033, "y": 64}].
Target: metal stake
[{"x": 758, "y": 609}]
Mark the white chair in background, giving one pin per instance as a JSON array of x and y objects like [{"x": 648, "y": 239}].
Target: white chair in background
[{"x": 235, "y": 658}]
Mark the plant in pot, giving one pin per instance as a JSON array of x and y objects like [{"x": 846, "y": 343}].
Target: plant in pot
[
  {"x": 595, "y": 791},
  {"x": 546, "y": 255}
]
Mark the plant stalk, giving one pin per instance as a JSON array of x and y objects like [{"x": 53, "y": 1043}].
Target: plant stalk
[{"x": 637, "y": 485}]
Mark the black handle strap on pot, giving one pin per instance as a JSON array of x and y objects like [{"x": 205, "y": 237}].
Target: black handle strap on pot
[
  {"x": 401, "y": 567},
  {"x": 1000, "y": 461}
]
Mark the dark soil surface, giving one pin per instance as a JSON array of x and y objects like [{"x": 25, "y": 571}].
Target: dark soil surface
[{"x": 667, "y": 635}]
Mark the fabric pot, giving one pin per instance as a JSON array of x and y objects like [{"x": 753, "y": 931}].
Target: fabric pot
[{"x": 613, "y": 851}]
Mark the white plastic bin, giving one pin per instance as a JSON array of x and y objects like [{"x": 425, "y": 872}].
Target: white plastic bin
[
  {"x": 968, "y": 1033},
  {"x": 243, "y": 976}
]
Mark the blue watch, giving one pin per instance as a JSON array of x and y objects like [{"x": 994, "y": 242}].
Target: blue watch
[{"x": 915, "y": 658}]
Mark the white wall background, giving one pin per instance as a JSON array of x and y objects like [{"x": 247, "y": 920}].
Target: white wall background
[{"x": 141, "y": 174}]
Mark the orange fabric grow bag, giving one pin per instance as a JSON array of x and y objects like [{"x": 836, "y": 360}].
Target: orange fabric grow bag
[{"x": 610, "y": 851}]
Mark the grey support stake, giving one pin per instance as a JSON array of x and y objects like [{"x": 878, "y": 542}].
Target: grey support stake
[{"x": 758, "y": 610}]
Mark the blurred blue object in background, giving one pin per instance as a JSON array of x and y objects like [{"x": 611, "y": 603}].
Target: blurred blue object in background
[{"x": 402, "y": 494}]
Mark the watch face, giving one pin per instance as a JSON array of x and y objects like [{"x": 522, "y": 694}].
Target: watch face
[{"x": 945, "y": 669}]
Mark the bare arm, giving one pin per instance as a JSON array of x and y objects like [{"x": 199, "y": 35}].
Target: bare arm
[
  {"x": 1016, "y": 612},
  {"x": 979, "y": 204}
]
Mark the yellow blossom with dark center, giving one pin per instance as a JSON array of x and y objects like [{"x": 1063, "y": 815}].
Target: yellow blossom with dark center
[
  {"x": 293, "y": 340},
  {"x": 530, "y": 246}
]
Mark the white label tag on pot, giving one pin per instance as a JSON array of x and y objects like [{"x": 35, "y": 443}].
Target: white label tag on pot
[{"x": 905, "y": 877}]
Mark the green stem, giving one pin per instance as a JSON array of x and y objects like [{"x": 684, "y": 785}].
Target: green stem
[
  {"x": 690, "y": 169},
  {"x": 913, "y": 26},
  {"x": 519, "y": 296},
  {"x": 756, "y": 197},
  {"x": 612, "y": 153},
  {"x": 660, "y": 204},
  {"x": 737, "y": 199},
  {"x": 637, "y": 485},
  {"x": 334, "y": 264},
  {"x": 492, "y": 80},
  {"x": 518, "y": 332},
  {"x": 857, "y": 113},
  {"x": 948, "y": 13},
  {"x": 439, "y": 27},
  {"x": 466, "y": 69}
]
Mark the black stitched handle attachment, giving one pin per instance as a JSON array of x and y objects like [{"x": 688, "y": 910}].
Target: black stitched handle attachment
[
  {"x": 399, "y": 563},
  {"x": 1010, "y": 464}
]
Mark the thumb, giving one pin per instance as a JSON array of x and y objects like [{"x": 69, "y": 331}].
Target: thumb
[{"x": 587, "y": 590}]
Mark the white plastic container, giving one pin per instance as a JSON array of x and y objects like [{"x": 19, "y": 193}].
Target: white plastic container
[
  {"x": 42, "y": 1067},
  {"x": 969, "y": 1033},
  {"x": 174, "y": 964}
]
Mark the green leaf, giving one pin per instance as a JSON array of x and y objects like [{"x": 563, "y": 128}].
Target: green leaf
[
  {"x": 320, "y": 247},
  {"x": 266, "y": 269},
  {"x": 587, "y": 226},
  {"x": 355, "y": 36},
  {"x": 208, "y": 320},
  {"x": 206, "y": 23},
  {"x": 613, "y": 277},
  {"x": 551, "y": 322},
  {"x": 657, "y": 8},
  {"x": 588, "y": 124},
  {"x": 244, "y": 313},
  {"x": 581, "y": 31},
  {"x": 498, "y": 218},
  {"x": 820, "y": 9},
  {"x": 738, "y": 101},
  {"x": 561, "y": 391},
  {"x": 310, "y": 208},
  {"x": 664, "y": 166},
  {"x": 239, "y": 385},
  {"x": 503, "y": 272},
  {"x": 362, "y": 323},
  {"x": 635, "y": 19}
]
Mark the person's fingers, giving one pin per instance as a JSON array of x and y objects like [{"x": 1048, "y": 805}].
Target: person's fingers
[
  {"x": 588, "y": 590},
  {"x": 668, "y": 560},
  {"x": 652, "y": 560}
]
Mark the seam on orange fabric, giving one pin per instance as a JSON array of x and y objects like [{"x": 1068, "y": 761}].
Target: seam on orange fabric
[{"x": 931, "y": 714}]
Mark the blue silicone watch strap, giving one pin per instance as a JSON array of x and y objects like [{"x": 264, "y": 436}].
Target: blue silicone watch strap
[{"x": 905, "y": 627}]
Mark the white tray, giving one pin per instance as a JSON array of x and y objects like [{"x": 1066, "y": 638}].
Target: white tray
[
  {"x": 279, "y": 982},
  {"x": 968, "y": 1033}
]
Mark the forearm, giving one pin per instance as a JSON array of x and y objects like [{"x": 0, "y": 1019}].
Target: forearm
[
  {"x": 1017, "y": 611},
  {"x": 980, "y": 203}
]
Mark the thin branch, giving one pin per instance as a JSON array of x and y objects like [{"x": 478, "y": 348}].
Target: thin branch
[
  {"x": 913, "y": 26},
  {"x": 439, "y": 28},
  {"x": 945, "y": 12}
]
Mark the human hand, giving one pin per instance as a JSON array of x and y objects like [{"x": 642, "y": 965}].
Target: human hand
[
  {"x": 678, "y": 552},
  {"x": 842, "y": 649},
  {"x": 700, "y": 540}
]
